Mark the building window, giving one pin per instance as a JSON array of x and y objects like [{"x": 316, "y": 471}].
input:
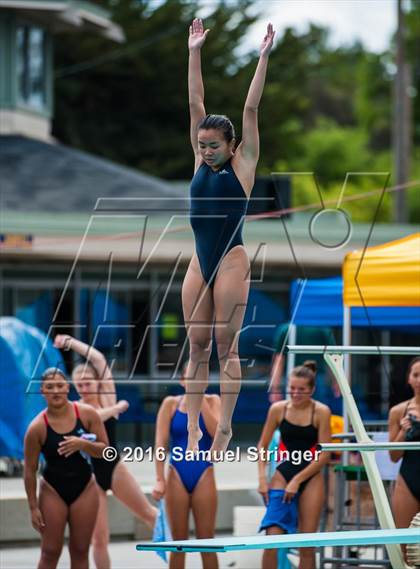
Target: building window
[{"x": 31, "y": 65}]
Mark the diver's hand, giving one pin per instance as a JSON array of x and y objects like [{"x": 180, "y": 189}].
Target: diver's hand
[
  {"x": 267, "y": 42},
  {"x": 197, "y": 35}
]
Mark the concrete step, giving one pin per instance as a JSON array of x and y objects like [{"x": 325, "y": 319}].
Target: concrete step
[{"x": 16, "y": 527}]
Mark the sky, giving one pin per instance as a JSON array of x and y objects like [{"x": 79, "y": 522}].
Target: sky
[{"x": 371, "y": 21}]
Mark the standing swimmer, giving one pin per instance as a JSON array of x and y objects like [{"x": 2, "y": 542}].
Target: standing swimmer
[
  {"x": 216, "y": 285},
  {"x": 296, "y": 492},
  {"x": 189, "y": 484},
  {"x": 404, "y": 425},
  {"x": 95, "y": 385},
  {"x": 68, "y": 493}
]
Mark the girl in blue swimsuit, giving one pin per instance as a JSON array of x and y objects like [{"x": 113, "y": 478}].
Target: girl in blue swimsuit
[
  {"x": 216, "y": 285},
  {"x": 189, "y": 484}
]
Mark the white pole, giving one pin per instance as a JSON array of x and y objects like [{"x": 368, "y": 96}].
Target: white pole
[
  {"x": 347, "y": 357},
  {"x": 291, "y": 357},
  {"x": 347, "y": 368}
]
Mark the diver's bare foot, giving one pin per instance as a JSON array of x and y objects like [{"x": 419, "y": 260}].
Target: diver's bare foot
[
  {"x": 221, "y": 440},
  {"x": 194, "y": 437}
]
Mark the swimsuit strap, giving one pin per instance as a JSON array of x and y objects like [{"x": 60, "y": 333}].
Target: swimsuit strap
[
  {"x": 313, "y": 413},
  {"x": 176, "y": 409},
  {"x": 407, "y": 406},
  {"x": 312, "y": 417},
  {"x": 76, "y": 410},
  {"x": 284, "y": 414}
]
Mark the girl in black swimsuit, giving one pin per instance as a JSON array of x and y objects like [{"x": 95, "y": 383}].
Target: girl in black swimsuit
[
  {"x": 404, "y": 425},
  {"x": 95, "y": 385},
  {"x": 68, "y": 493},
  {"x": 295, "y": 495}
]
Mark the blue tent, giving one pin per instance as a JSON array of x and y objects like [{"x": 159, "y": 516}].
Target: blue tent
[
  {"x": 262, "y": 317},
  {"x": 319, "y": 302},
  {"x": 25, "y": 353}
]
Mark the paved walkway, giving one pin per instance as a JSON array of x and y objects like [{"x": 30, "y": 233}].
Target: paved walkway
[
  {"x": 237, "y": 474},
  {"x": 123, "y": 556}
]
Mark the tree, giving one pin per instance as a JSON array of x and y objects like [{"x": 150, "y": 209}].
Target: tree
[
  {"x": 413, "y": 49},
  {"x": 130, "y": 103}
]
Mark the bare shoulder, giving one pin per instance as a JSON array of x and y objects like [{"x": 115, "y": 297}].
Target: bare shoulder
[
  {"x": 244, "y": 160},
  {"x": 322, "y": 408},
  {"x": 277, "y": 409},
  {"x": 322, "y": 413},
  {"x": 244, "y": 170},
  {"x": 397, "y": 411},
  {"x": 87, "y": 412},
  {"x": 36, "y": 428},
  {"x": 170, "y": 402}
]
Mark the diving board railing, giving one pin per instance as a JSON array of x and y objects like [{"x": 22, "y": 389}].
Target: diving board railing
[
  {"x": 333, "y": 355},
  {"x": 344, "y": 538}
]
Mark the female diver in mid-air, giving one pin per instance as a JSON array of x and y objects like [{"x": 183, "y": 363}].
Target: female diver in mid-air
[{"x": 216, "y": 285}]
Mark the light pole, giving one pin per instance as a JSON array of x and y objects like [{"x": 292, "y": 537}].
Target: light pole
[{"x": 402, "y": 120}]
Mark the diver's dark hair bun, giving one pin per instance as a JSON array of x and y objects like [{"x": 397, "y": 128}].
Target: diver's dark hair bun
[{"x": 311, "y": 364}]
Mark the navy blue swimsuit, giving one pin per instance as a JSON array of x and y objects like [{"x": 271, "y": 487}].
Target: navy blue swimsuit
[{"x": 218, "y": 209}]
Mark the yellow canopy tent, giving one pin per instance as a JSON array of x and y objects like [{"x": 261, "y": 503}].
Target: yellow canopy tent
[
  {"x": 385, "y": 276},
  {"x": 389, "y": 274}
]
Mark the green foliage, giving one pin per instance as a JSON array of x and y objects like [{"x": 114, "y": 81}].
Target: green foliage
[
  {"x": 413, "y": 49},
  {"x": 373, "y": 99},
  {"x": 413, "y": 193},
  {"x": 324, "y": 110},
  {"x": 129, "y": 103},
  {"x": 338, "y": 161},
  {"x": 330, "y": 151}
]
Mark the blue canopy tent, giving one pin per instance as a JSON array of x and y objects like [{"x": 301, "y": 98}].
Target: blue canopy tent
[
  {"x": 25, "y": 352},
  {"x": 319, "y": 302}
]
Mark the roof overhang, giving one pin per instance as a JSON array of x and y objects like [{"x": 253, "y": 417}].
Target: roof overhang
[{"x": 67, "y": 15}]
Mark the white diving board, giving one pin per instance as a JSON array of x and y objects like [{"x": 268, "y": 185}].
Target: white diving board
[{"x": 344, "y": 538}]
